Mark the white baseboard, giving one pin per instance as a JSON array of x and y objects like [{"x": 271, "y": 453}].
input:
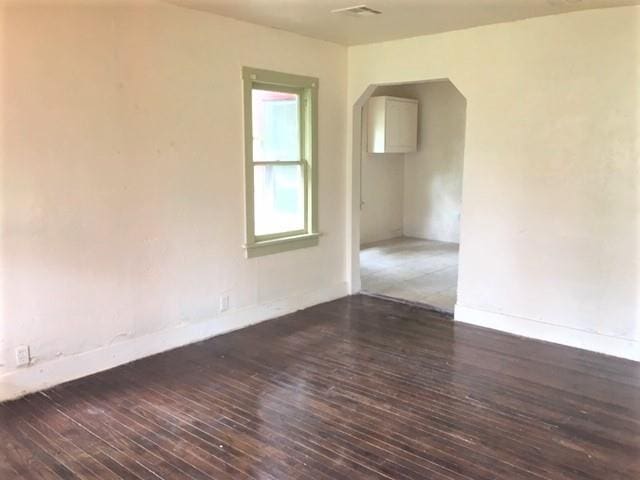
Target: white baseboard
[
  {"x": 47, "y": 374},
  {"x": 609, "y": 345}
]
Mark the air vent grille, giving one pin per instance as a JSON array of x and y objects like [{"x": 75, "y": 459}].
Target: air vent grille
[{"x": 357, "y": 11}]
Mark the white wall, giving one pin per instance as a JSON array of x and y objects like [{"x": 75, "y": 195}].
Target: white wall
[
  {"x": 381, "y": 216},
  {"x": 417, "y": 194},
  {"x": 551, "y": 222},
  {"x": 122, "y": 183},
  {"x": 432, "y": 201},
  {"x": 382, "y": 196}
]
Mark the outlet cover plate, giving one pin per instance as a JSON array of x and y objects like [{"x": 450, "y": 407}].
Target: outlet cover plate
[
  {"x": 23, "y": 357},
  {"x": 224, "y": 303}
]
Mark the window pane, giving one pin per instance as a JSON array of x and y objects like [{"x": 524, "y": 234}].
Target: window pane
[
  {"x": 278, "y": 198},
  {"x": 276, "y": 126}
]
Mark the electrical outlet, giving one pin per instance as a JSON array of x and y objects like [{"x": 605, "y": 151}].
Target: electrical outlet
[
  {"x": 224, "y": 303},
  {"x": 22, "y": 356}
]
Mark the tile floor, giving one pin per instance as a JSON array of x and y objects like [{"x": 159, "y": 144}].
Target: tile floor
[{"x": 412, "y": 269}]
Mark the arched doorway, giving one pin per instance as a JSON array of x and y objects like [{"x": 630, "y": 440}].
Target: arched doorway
[{"x": 406, "y": 221}]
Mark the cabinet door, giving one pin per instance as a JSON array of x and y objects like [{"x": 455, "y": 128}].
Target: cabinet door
[{"x": 402, "y": 128}]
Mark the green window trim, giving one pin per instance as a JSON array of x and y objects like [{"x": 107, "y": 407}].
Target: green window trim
[
  {"x": 307, "y": 89},
  {"x": 279, "y": 245}
]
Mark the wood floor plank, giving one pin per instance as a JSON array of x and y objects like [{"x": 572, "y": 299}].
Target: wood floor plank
[
  {"x": 620, "y": 428},
  {"x": 360, "y": 387},
  {"x": 77, "y": 443},
  {"x": 273, "y": 458},
  {"x": 138, "y": 442},
  {"x": 166, "y": 437}
]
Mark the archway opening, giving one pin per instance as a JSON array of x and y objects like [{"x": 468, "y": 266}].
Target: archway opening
[{"x": 409, "y": 141}]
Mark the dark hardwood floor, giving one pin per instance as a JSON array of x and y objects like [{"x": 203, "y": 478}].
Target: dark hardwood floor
[{"x": 356, "y": 388}]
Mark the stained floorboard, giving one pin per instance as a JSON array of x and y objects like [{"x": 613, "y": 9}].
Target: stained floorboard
[{"x": 356, "y": 388}]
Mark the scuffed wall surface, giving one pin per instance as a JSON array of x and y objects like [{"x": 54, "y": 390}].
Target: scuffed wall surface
[
  {"x": 122, "y": 172},
  {"x": 551, "y": 206}
]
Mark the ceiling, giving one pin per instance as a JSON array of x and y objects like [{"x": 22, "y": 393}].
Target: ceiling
[{"x": 399, "y": 18}]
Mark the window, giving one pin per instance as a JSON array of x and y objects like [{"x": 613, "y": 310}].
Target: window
[{"x": 280, "y": 118}]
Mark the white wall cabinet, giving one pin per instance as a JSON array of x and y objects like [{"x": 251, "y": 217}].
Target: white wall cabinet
[{"x": 392, "y": 125}]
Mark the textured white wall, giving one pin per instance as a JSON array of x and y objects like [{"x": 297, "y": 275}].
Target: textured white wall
[
  {"x": 383, "y": 177},
  {"x": 122, "y": 175},
  {"x": 418, "y": 194},
  {"x": 382, "y": 193},
  {"x": 551, "y": 219},
  {"x": 433, "y": 175}
]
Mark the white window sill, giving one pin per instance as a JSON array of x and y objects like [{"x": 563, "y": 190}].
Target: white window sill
[{"x": 279, "y": 245}]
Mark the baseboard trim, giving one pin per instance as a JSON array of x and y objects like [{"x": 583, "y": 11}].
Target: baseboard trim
[
  {"x": 571, "y": 337},
  {"x": 45, "y": 375}
]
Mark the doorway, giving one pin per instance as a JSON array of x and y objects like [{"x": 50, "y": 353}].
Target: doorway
[{"x": 411, "y": 201}]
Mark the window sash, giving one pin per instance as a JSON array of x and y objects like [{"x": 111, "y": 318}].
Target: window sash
[
  {"x": 302, "y": 106},
  {"x": 305, "y": 211},
  {"x": 306, "y": 89},
  {"x": 303, "y": 163}
]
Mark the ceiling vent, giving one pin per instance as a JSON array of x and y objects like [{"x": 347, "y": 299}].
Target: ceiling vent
[{"x": 357, "y": 11}]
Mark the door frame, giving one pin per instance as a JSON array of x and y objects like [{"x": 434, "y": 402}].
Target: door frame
[{"x": 354, "y": 178}]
